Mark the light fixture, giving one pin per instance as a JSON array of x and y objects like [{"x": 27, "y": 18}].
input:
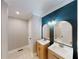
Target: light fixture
[
  {"x": 53, "y": 22},
  {"x": 49, "y": 23},
  {"x": 17, "y": 12}
]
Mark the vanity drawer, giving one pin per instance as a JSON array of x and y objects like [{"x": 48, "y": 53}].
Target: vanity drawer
[{"x": 52, "y": 55}]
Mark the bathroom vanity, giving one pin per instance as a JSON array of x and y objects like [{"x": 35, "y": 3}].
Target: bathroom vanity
[
  {"x": 42, "y": 48},
  {"x": 61, "y": 34},
  {"x": 53, "y": 55},
  {"x": 55, "y": 51}
]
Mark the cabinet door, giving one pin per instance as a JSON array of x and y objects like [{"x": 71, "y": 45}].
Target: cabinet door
[
  {"x": 41, "y": 52},
  {"x": 45, "y": 49},
  {"x": 51, "y": 56},
  {"x": 38, "y": 49}
]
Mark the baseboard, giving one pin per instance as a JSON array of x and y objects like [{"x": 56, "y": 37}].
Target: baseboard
[{"x": 15, "y": 50}]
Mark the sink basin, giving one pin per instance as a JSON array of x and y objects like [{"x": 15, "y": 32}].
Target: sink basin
[
  {"x": 57, "y": 40},
  {"x": 43, "y": 42},
  {"x": 65, "y": 52}
]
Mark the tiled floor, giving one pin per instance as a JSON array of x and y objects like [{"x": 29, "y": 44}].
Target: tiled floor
[{"x": 25, "y": 54}]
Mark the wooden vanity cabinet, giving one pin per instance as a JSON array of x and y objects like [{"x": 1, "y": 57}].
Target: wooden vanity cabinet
[
  {"x": 42, "y": 51},
  {"x": 52, "y": 55}
]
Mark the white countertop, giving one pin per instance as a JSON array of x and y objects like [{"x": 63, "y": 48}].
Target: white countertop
[
  {"x": 65, "y": 52},
  {"x": 43, "y": 42}
]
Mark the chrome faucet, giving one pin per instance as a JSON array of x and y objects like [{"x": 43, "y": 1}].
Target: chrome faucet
[{"x": 61, "y": 45}]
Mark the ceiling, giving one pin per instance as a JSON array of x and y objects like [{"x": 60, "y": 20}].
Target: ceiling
[{"x": 36, "y": 7}]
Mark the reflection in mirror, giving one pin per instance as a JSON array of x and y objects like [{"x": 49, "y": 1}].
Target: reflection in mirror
[
  {"x": 63, "y": 33},
  {"x": 46, "y": 32}
]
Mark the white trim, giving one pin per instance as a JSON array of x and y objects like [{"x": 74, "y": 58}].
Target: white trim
[{"x": 15, "y": 50}]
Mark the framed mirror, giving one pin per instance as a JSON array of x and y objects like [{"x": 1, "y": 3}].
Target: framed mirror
[
  {"x": 63, "y": 33},
  {"x": 46, "y": 32}
]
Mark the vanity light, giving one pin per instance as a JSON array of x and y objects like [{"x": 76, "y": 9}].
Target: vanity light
[
  {"x": 17, "y": 12},
  {"x": 49, "y": 23},
  {"x": 53, "y": 22}
]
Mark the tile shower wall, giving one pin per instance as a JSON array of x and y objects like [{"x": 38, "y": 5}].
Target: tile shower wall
[{"x": 18, "y": 33}]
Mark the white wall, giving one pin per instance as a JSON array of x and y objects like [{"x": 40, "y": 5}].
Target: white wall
[
  {"x": 34, "y": 30},
  {"x": 18, "y": 33},
  {"x": 4, "y": 37}
]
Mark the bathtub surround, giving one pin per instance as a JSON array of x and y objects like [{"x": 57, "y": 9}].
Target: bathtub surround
[
  {"x": 66, "y": 13},
  {"x": 24, "y": 33},
  {"x": 17, "y": 33},
  {"x": 25, "y": 54}
]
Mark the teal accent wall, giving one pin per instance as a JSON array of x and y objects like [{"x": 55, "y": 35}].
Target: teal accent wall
[{"x": 67, "y": 13}]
